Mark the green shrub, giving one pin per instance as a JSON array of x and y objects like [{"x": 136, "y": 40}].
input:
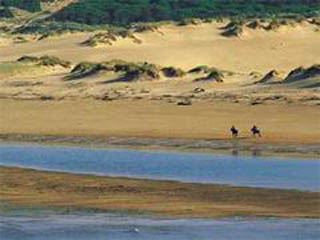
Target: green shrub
[
  {"x": 48, "y": 61},
  {"x": 189, "y": 21},
  {"x": 145, "y": 27},
  {"x": 173, "y": 72},
  {"x": 85, "y": 69},
  {"x": 109, "y": 37},
  {"x": 214, "y": 75},
  {"x": 130, "y": 71},
  {"x": 51, "y": 28},
  {"x": 5, "y": 12},
  {"x": 200, "y": 69},
  {"x": 235, "y": 31},
  {"x": 29, "y": 5}
]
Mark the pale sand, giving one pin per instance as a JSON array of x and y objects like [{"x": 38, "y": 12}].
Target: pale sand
[
  {"x": 298, "y": 124},
  {"x": 187, "y": 46}
]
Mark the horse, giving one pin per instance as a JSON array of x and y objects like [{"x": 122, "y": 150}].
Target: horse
[
  {"x": 234, "y": 132},
  {"x": 255, "y": 131}
]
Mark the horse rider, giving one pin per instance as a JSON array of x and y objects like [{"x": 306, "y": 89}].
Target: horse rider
[
  {"x": 234, "y": 131},
  {"x": 255, "y": 131}
]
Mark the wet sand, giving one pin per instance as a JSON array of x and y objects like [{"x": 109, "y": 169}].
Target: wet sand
[
  {"x": 36, "y": 189},
  {"x": 230, "y": 146},
  {"x": 287, "y": 130}
]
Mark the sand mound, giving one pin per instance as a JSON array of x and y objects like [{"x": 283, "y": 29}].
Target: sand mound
[
  {"x": 271, "y": 77},
  {"x": 255, "y": 24},
  {"x": 201, "y": 69},
  {"x": 232, "y": 29},
  {"x": 109, "y": 38},
  {"x": 300, "y": 77},
  {"x": 145, "y": 27},
  {"x": 189, "y": 21},
  {"x": 237, "y": 28},
  {"x": 304, "y": 77},
  {"x": 85, "y": 69},
  {"x": 210, "y": 74},
  {"x": 303, "y": 73},
  {"x": 315, "y": 21},
  {"x": 173, "y": 72},
  {"x": 277, "y": 24},
  {"x": 138, "y": 71},
  {"x": 127, "y": 71},
  {"x": 214, "y": 75},
  {"x": 100, "y": 39},
  {"x": 30, "y": 66},
  {"x": 48, "y": 61}
]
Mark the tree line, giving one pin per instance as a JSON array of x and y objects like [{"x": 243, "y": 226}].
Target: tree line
[
  {"x": 29, "y": 5},
  {"x": 122, "y": 12}
]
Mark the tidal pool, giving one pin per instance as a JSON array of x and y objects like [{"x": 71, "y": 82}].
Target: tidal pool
[
  {"x": 188, "y": 167},
  {"x": 82, "y": 226}
]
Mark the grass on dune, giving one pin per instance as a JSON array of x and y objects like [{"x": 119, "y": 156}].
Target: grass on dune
[
  {"x": 13, "y": 67},
  {"x": 30, "y": 64}
]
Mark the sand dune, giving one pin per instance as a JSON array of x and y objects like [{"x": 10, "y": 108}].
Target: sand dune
[
  {"x": 106, "y": 81},
  {"x": 187, "y": 46}
]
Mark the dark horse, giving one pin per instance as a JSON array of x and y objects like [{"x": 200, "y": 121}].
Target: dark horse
[
  {"x": 234, "y": 132},
  {"x": 255, "y": 131}
]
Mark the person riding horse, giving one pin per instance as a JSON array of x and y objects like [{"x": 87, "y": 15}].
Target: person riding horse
[
  {"x": 255, "y": 131},
  {"x": 234, "y": 131}
]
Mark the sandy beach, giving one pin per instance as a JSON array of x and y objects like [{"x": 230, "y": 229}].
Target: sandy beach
[
  {"x": 36, "y": 189},
  {"x": 202, "y": 126}
]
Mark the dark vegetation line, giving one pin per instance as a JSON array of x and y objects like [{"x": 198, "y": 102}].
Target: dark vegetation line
[
  {"x": 29, "y": 5},
  {"x": 122, "y": 12}
]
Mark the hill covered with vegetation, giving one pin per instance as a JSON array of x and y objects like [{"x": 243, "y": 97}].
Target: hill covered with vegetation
[
  {"x": 127, "y": 11},
  {"x": 122, "y": 12},
  {"x": 29, "y": 5}
]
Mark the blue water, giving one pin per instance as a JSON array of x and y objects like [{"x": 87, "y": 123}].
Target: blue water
[
  {"x": 188, "y": 167},
  {"x": 117, "y": 227}
]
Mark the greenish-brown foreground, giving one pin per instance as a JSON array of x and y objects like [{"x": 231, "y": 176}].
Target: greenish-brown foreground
[{"x": 32, "y": 188}]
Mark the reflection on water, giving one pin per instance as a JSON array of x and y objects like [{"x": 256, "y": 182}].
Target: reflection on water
[
  {"x": 190, "y": 167},
  {"x": 235, "y": 152},
  {"x": 254, "y": 150},
  {"x": 117, "y": 227}
]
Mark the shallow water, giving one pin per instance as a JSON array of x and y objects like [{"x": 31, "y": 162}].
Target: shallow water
[
  {"x": 188, "y": 167},
  {"x": 51, "y": 226}
]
